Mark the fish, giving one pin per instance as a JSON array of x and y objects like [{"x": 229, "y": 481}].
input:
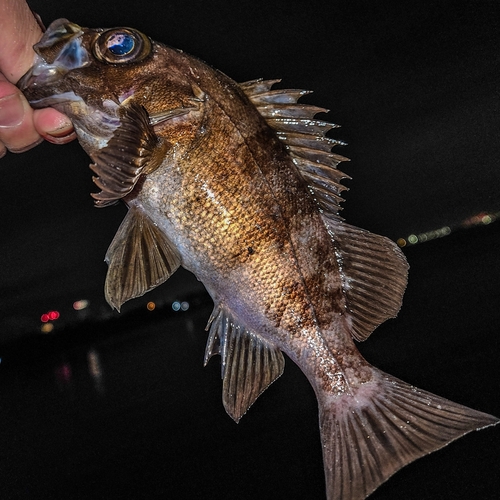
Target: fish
[{"x": 239, "y": 184}]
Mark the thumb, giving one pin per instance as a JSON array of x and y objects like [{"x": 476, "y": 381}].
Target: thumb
[{"x": 16, "y": 120}]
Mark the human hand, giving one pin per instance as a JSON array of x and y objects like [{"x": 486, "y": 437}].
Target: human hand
[{"x": 22, "y": 127}]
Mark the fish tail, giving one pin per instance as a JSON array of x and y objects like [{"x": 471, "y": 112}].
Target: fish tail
[{"x": 380, "y": 427}]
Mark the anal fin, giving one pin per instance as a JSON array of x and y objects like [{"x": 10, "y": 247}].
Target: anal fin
[
  {"x": 249, "y": 363},
  {"x": 140, "y": 258}
]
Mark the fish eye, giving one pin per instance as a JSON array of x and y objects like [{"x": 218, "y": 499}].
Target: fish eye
[{"x": 121, "y": 45}]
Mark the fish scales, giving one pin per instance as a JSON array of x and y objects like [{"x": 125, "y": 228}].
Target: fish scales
[
  {"x": 272, "y": 275},
  {"x": 219, "y": 184},
  {"x": 238, "y": 184}
]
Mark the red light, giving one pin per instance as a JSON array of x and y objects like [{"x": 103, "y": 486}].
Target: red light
[{"x": 50, "y": 316}]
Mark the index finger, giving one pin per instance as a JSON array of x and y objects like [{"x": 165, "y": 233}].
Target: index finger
[{"x": 19, "y": 31}]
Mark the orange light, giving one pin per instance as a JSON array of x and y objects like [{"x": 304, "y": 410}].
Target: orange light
[
  {"x": 47, "y": 327},
  {"x": 151, "y": 306}
]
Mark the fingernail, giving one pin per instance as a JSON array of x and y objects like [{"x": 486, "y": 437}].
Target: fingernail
[
  {"x": 63, "y": 139},
  {"x": 11, "y": 111},
  {"x": 63, "y": 128}
]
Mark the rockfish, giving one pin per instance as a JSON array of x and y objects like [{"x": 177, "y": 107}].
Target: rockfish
[{"x": 238, "y": 184}]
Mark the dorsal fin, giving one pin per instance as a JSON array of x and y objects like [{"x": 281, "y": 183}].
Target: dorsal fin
[
  {"x": 304, "y": 138},
  {"x": 373, "y": 269},
  {"x": 248, "y": 366},
  {"x": 374, "y": 274}
]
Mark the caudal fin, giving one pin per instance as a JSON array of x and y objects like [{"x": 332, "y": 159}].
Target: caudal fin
[{"x": 385, "y": 425}]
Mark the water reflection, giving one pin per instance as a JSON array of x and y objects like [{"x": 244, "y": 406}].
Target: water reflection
[
  {"x": 79, "y": 371},
  {"x": 95, "y": 370},
  {"x": 64, "y": 374}
]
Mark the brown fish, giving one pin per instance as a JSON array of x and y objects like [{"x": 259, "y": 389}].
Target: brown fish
[{"x": 238, "y": 184}]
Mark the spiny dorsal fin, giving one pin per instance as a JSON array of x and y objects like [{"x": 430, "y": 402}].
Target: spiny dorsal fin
[
  {"x": 249, "y": 364},
  {"x": 374, "y": 274},
  {"x": 304, "y": 138},
  {"x": 140, "y": 258}
]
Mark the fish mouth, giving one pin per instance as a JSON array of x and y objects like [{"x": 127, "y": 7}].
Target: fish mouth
[{"x": 59, "y": 51}]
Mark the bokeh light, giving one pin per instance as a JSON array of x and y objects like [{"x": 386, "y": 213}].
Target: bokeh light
[
  {"x": 180, "y": 306},
  {"x": 78, "y": 305},
  {"x": 479, "y": 219},
  {"x": 49, "y": 316},
  {"x": 47, "y": 327}
]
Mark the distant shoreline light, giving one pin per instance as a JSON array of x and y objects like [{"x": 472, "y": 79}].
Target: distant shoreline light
[{"x": 479, "y": 219}]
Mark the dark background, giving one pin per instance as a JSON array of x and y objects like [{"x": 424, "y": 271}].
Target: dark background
[{"x": 120, "y": 406}]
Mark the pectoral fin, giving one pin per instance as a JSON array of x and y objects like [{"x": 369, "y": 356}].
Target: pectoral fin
[
  {"x": 133, "y": 150},
  {"x": 249, "y": 363},
  {"x": 140, "y": 258}
]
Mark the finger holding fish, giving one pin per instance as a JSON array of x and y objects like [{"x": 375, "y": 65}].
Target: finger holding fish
[
  {"x": 22, "y": 128},
  {"x": 17, "y": 131}
]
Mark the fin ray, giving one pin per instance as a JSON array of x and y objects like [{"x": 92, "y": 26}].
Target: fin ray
[
  {"x": 140, "y": 258},
  {"x": 386, "y": 424},
  {"x": 304, "y": 137},
  {"x": 374, "y": 274},
  {"x": 249, "y": 364},
  {"x": 128, "y": 153}
]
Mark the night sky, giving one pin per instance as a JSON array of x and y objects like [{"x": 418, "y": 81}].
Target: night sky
[{"x": 416, "y": 89}]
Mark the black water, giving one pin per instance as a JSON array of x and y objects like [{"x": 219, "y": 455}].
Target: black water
[{"x": 125, "y": 409}]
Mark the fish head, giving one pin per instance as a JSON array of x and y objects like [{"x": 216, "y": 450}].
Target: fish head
[{"x": 91, "y": 74}]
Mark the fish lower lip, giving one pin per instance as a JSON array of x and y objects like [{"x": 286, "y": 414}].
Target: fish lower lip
[
  {"x": 26, "y": 80},
  {"x": 55, "y": 100},
  {"x": 39, "y": 75}
]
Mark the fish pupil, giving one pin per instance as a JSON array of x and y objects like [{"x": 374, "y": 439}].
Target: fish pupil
[{"x": 120, "y": 44}]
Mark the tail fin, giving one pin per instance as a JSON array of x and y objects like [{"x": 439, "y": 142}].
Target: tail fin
[{"x": 385, "y": 425}]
